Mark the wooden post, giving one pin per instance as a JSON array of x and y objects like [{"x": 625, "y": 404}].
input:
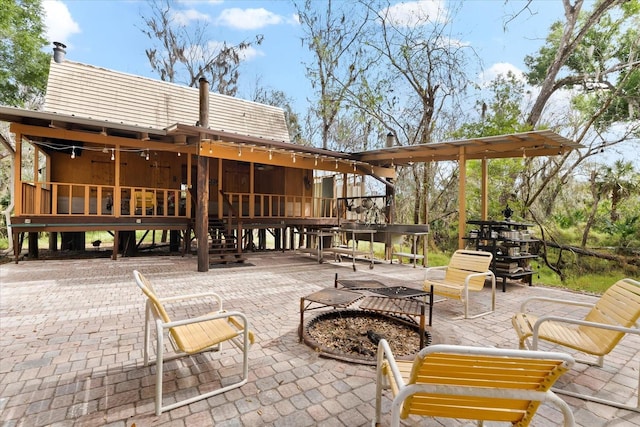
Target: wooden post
[
  {"x": 462, "y": 201},
  {"x": 202, "y": 202},
  {"x": 390, "y": 201},
  {"x": 484, "y": 212}
]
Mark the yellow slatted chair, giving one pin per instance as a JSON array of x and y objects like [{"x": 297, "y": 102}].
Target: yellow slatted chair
[
  {"x": 145, "y": 201},
  {"x": 190, "y": 336},
  {"x": 473, "y": 383},
  {"x": 615, "y": 314},
  {"x": 466, "y": 272}
]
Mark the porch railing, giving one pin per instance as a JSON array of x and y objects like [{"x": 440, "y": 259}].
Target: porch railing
[
  {"x": 70, "y": 199},
  {"x": 62, "y": 199},
  {"x": 260, "y": 205}
]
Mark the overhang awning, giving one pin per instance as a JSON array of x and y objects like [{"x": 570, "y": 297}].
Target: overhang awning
[{"x": 527, "y": 144}]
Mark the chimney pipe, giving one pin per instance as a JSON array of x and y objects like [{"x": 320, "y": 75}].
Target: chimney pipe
[
  {"x": 59, "y": 52},
  {"x": 204, "y": 102},
  {"x": 390, "y": 139}
]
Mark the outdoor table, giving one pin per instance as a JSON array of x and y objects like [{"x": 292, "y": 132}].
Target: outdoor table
[
  {"x": 359, "y": 284},
  {"x": 318, "y": 235},
  {"x": 354, "y": 243},
  {"x": 328, "y": 297}
]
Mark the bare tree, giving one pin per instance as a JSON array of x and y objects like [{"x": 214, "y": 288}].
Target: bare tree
[
  {"x": 335, "y": 36},
  {"x": 420, "y": 75},
  {"x": 187, "y": 53}
]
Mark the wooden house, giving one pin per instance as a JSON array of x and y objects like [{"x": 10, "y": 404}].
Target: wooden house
[
  {"x": 119, "y": 152},
  {"x": 122, "y": 153}
]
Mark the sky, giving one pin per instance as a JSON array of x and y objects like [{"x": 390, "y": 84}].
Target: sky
[{"x": 107, "y": 33}]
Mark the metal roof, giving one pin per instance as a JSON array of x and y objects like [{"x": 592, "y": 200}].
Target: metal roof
[
  {"x": 527, "y": 144},
  {"x": 89, "y": 92}
]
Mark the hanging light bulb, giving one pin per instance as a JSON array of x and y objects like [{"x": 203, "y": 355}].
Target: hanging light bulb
[
  {"x": 354, "y": 166},
  {"x": 147, "y": 156},
  {"x": 113, "y": 154},
  {"x": 239, "y": 151},
  {"x": 315, "y": 162},
  {"x": 293, "y": 157},
  {"x": 270, "y": 155},
  {"x": 210, "y": 148},
  {"x": 178, "y": 154},
  {"x": 73, "y": 152},
  {"x": 336, "y": 164}
]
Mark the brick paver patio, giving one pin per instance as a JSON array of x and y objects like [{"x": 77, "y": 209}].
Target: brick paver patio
[{"x": 72, "y": 333}]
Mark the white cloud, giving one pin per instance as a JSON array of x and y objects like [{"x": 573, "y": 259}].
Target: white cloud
[
  {"x": 415, "y": 13},
  {"x": 184, "y": 17},
  {"x": 248, "y": 19},
  {"x": 500, "y": 68},
  {"x": 59, "y": 24},
  {"x": 249, "y": 53}
]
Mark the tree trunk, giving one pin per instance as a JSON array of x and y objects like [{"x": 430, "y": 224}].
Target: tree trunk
[
  {"x": 566, "y": 47},
  {"x": 594, "y": 209}
]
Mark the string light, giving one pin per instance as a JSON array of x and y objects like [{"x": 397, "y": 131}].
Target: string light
[
  {"x": 293, "y": 157},
  {"x": 73, "y": 152},
  {"x": 113, "y": 154},
  {"x": 315, "y": 163},
  {"x": 147, "y": 157},
  {"x": 336, "y": 164},
  {"x": 178, "y": 154},
  {"x": 270, "y": 154}
]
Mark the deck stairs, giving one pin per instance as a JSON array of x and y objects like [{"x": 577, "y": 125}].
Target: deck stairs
[{"x": 224, "y": 247}]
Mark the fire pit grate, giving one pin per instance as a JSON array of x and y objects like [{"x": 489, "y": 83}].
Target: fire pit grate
[
  {"x": 353, "y": 335},
  {"x": 399, "y": 292}
]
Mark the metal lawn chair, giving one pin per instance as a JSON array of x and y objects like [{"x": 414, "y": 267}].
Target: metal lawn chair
[
  {"x": 466, "y": 272},
  {"x": 474, "y": 383},
  {"x": 613, "y": 316},
  {"x": 190, "y": 336}
]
